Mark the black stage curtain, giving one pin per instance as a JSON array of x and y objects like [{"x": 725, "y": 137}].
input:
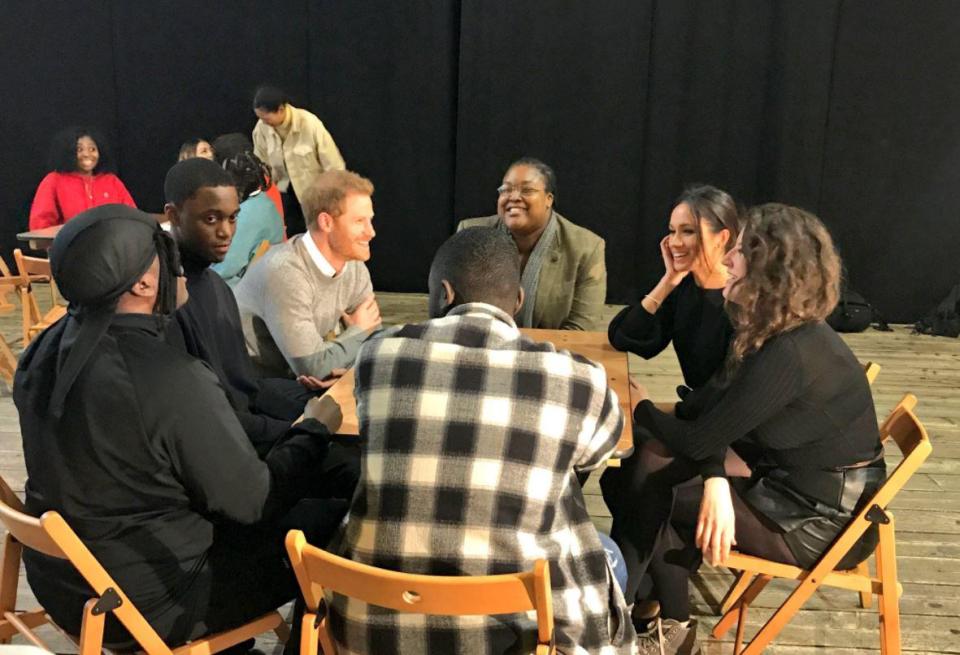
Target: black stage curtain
[
  {"x": 57, "y": 70},
  {"x": 382, "y": 79},
  {"x": 844, "y": 107}
]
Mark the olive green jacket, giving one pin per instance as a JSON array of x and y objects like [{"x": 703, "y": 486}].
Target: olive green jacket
[{"x": 573, "y": 277}]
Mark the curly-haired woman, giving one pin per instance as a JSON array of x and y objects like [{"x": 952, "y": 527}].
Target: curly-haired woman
[
  {"x": 791, "y": 386},
  {"x": 81, "y": 178}
]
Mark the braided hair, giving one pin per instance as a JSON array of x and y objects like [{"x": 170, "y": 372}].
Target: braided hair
[{"x": 249, "y": 173}]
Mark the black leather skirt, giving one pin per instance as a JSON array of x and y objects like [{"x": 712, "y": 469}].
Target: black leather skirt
[{"x": 812, "y": 507}]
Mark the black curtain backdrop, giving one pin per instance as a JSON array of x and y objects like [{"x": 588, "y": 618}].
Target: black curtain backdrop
[{"x": 844, "y": 107}]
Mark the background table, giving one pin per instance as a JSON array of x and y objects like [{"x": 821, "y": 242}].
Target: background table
[
  {"x": 40, "y": 239},
  {"x": 592, "y": 345}
]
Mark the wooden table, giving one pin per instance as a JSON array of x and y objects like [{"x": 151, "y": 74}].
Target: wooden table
[
  {"x": 593, "y": 345},
  {"x": 40, "y": 239}
]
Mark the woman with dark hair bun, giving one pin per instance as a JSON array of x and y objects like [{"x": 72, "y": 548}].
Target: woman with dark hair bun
[
  {"x": 686, "y": 305},
  {"x": 295, "y": 145},
  {"x": 258, "y": 219},
  {"x": 228, "y": 146},
  {"x": 81, "y": 178},
  {"x": 790, "y": 385}
]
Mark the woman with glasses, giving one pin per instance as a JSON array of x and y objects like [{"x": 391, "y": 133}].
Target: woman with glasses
[{"x": 564, "y": 275}]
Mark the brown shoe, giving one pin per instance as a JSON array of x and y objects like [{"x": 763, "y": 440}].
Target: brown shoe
[{"x": 669, "y": 637}]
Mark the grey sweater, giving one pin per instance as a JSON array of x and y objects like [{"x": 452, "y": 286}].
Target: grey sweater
[{"x": 291, "y": 312}]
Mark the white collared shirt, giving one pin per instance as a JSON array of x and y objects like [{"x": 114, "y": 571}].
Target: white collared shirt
[{"x": 324, "y": 266}]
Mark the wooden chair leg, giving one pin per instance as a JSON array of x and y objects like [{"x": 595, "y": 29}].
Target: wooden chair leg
[
  {"x": 25, "y": 313},
  {"x": 866, "y": 598},
  {"x": 10, "y": 574},
  {"x": 889, "y": 601},
  {"x": 780, "y": 618},
  {"x": 91, "y": 630},
  {"x": 736, "y": 590},
  {"x": 282, "y": 631},
  {"x": 749, "y": 595},
  {"x": 309, "y": 635},
  {"x": 742, "y": 608},
  {"x": 8, "y": 362}
]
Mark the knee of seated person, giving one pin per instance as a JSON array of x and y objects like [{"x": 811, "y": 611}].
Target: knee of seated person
[{"x": 653, "y": 456}]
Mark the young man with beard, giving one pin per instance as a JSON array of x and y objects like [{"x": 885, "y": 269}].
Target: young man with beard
[{"x": 308, "y": 304}]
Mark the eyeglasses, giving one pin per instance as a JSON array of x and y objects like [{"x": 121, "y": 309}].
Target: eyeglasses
[{"x": 526, "y": 192}]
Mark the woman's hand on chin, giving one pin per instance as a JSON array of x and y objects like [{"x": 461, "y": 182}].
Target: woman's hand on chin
[
  {"x": 671, "y": 275},
  {"x": 716, "y": 526}
]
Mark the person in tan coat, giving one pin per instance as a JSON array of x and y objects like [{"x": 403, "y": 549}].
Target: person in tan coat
[
  {"x": 296, "y": 146},
  {"x": 564, "y": 274}
]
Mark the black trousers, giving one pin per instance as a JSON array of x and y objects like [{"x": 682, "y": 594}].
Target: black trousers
[
  {"x": 282, "y": 398},
  {"x": 654, "y": 499},
  {"x": 292, "y": 212}
]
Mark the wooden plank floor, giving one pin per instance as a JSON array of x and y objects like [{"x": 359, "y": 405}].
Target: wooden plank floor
[{"x": 927, "y": 511}]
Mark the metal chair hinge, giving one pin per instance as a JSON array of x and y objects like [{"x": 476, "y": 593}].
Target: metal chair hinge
[
  {"x": 109, "y": 601},
  {"x": 321, "y": 613},
  {"x": 876, "y": 515}
]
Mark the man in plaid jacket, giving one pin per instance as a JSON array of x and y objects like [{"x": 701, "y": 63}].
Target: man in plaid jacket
[{"x": 473, "y": 434}]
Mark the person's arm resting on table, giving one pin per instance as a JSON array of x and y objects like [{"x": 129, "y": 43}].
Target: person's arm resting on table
[
  {"x": 606, "y": 435},
  {"x": 763, "y": 386}
]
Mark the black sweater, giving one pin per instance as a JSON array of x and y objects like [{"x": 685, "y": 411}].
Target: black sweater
[
  {"x": 691, "y": 317},
  {"x": 148, "y": 455},
  {"x": 208, "y": 327},
  {"x": 802, "y": 399}
]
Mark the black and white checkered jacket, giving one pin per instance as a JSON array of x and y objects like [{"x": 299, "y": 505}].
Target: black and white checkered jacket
[{"x": 472, "y": 436}]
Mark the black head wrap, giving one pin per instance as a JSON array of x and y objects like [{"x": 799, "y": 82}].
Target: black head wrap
[{"x": 96, "y": 258}]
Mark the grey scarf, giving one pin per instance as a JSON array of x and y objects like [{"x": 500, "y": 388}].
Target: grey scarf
[{"x": 530, "y": 278}]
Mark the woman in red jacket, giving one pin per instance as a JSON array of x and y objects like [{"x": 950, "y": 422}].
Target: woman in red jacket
[{"x": 79, "y": 181}]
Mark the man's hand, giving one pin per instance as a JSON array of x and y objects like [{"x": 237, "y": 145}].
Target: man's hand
[
  {"x": 717, "y": 524},
  {"x": 312, "y": 383},
  {"x": 326, "y": 410},
  {"x": 366, "y": 315}
]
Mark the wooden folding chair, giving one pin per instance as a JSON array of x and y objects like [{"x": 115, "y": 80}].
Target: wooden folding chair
[
  {"x": 871, "y": 370},
  {"x": 8, "y": 362},
  {"x": 5, "y": 275},
  {"x": 51, "y": 536},
  {"x": 902, "y": 427},
  {"x": 30, "y": 270},
  {"x": 318, "y": 571}
]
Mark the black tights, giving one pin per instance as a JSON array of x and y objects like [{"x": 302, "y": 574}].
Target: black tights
[{"x": 654, "y": 498}]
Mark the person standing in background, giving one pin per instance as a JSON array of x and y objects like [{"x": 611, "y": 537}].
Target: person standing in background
[{"x": 296, "y": 146}]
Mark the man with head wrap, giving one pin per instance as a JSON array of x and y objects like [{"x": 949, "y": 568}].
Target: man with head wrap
[{"x": 136, "y": 445}]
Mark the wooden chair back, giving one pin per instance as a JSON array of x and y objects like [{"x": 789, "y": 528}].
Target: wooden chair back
[
  {"x": 904, "y": 429},
  {"x": 318, "y": 571},
  {"x": 51, "y": 536},
  {"x": 871, "y": 370},
  {"x": 9, "y": 286},
  {"x": 30, "y": 270}
]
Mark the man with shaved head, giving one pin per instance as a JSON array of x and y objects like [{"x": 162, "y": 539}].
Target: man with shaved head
[{"x": 473, "y": 435}]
